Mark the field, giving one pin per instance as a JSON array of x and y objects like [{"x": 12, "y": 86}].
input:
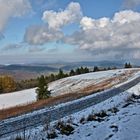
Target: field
[
  {"x": 117, "y": 116},
  {"x": 63, "y": 90}
]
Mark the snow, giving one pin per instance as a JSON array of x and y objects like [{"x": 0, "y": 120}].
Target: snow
[
  {"x": 62, "y": 86},
  {"x": 126, "y": 120},
  {"x": 135, "y": 90},
  {"x": 76, "y": 83},
  {"x": 17, "y": 98},
  {"x": 122, "y": 125}
]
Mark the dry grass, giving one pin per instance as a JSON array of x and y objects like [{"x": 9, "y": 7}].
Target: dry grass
[{"x": 15, "y": 111}]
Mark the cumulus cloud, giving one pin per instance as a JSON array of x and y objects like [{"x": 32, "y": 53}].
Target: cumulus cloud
[
  {"x": 57, "y": 20},
  {"x": 116, "y": 37},
  {"x": 89, "y": 23},
  {"x": 51, "y": 30},
  {"x": 131, "y": 3},
  {"x": 40, "y": 34},
  {"x": 126, "y": 16},
  {"x": 12, "y": 8}
]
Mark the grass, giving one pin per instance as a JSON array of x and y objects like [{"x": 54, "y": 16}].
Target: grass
[
  {"x": 64, "y": 128},
  {"x": 18, "y": 110}
]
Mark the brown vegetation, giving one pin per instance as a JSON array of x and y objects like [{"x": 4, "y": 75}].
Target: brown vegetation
[{"x": 10, "y": 112}]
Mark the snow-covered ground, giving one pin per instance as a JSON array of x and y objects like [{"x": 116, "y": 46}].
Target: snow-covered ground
[
  {"x": 63, "y": 86},
  {"x": 122, "y": 124},
  {"x": 17, "y": 98},
  {"x": 75, "y": 83}
]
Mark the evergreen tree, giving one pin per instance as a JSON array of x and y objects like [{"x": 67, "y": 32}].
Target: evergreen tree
[
  {"x": 127, "y": 65},
  {"x": 96, "y": 69},
  {"x": 60, "y": 74},
  {"x": 52, "y": 77},
  {"x": 86, "y": 70},
  {"x": 82, "y": 70},
  {"x": 42, "y": 90},
  {"x": 78, "y": 71},
  {"x": 109, "y": 68},
  {"x": 72, "y": 73}
]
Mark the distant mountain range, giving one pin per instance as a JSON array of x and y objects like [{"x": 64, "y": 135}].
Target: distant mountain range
[{"x": 26, "y": 71}]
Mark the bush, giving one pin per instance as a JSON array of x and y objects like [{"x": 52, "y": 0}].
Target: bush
[
  {"x": 64, "y": 128},
  {"x": 101, "y": 114},
  {"x": 82, "y": 120},
  {"x": 52, "y": 134},
  {"x": 91, "y": 118},
  {"x": 113, "y": 110},
  {"x": 18, "y": 138},
  {"x": 97, "y": 117}
]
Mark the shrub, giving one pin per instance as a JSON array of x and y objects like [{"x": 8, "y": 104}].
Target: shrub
[
  {"x": 114, "y": 110},
  {"x": 101, "y": 114},
  {"x": 64, "y": 128},
  {"x": 91, "y": 118},
  {"x": 52, "y": 134},
  {"x": 67, "y": 129},
  {"x": 82, "y": 120},
  {"x": 18, "y": 138}
]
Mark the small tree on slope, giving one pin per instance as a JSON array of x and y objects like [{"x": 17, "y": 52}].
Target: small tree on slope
[{"x": 42, "y": 90}]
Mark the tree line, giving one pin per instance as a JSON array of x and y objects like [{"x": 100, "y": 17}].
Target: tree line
[
  {"x": 42, "y": 89},
  {"x": 8, "y": 84}
]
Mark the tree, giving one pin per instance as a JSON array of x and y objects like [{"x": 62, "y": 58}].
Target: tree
[
  {"x": 7, "y": 84},
  {"x": 60, "y": 74},
  {"x": 42, "y": 90},
  {"x": 82, "y": 70},
  {"x": 127, "y": 65},
  {"x": 96, "y": 69},
  {"x": 51, "y": 78},
  {"x": 86, "y": 70},
  {"x": 72, "y": 73},
  {"x": 78, "y": 71}
]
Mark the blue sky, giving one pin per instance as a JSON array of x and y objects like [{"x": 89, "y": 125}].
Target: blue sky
[{"x": 66, "y": 30}]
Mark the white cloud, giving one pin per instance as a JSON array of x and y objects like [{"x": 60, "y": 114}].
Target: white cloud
[
  {"x": 40, "y": 34},
  {"x": 116, "y": 37},
  {"x": 57, "y": 20},
  {"x": 12, "y": 8},
  {"x": 108, "y": 38},
  {"x": 89, "y": 23},
  {"x": 126, "y": 16},
  {"x": 51, "y": 32}
]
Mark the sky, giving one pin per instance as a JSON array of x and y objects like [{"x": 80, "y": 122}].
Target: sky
[{"x": 66, "y": 30}]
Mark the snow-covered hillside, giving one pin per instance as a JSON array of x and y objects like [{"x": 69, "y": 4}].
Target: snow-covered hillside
[
  {"x": 76, "y": 83},
  {"x": 119, "y": 124},
  {"x": 114, "y": 119},
  {"x": 63, "y": 86},
  {"x": 17, "y": 98}
]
